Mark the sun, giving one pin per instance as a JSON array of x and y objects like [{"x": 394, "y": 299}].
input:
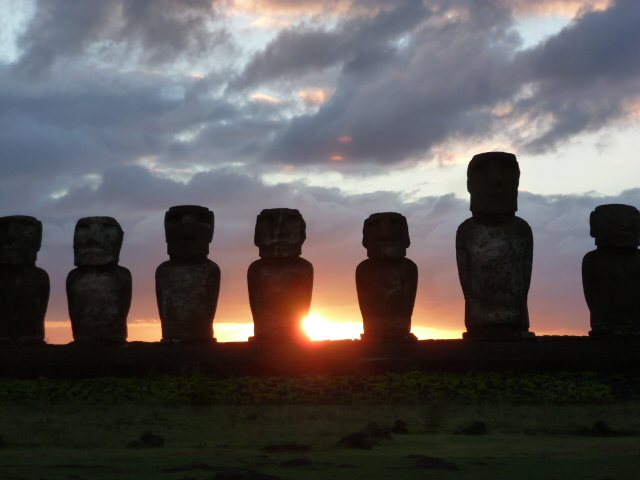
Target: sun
[{"x": 319, "y": 328}]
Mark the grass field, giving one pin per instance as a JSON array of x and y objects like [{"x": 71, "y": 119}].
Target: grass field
[
  {"x": 74, "y": 440},
  {"x": 80, "y": 429}
]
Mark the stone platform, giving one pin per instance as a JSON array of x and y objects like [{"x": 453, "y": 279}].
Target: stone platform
[{"x": 342, "y": 357}]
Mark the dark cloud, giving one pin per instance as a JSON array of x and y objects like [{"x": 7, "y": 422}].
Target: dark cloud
[
  {"x": 300, "y": 49},
  {"x": 438, "y": 86},
  {"x": 160, "y": 30},
  {"x": 585, "y": 76}
]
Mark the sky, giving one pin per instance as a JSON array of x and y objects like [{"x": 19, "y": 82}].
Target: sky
[{"x": 339, "y": 108}]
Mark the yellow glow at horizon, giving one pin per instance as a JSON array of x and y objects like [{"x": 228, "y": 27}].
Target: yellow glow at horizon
[{"x": 319, "y": 328}]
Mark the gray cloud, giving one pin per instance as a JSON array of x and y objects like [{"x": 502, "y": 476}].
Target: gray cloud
[
  {"x": 164, "y": 30},
  {"x": 584, "y": 76},
  {"x": 300, "y": 49}
]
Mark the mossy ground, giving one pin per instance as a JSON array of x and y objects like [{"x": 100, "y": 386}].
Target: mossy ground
[
  {"x": 535, "y": 442},
  {"x": 79, "y": 429}
]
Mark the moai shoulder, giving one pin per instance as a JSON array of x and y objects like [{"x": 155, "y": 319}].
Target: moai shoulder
[
  {"x": 24, "y": 288},
  {"x": 611, "y": 273},
  {"x": 386, "y": 282},
  {"x": 98, "y": 290},
  {"x": 188, "y": 284},
  {"x": 280, "y": 283},
  {"x": 494, "y": 252}
]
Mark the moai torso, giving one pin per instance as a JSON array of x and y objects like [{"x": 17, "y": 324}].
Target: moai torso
[
  {"x": 611, "y": 273},
  {"x": 387, "y": 281},
  {"x": 99, "y": 290},
  {"x": 281, "y": 282},
  {"x": 494, "y": 252},
  {"x": 188, "y": 285},
  {"x": 24, "y": 288}
]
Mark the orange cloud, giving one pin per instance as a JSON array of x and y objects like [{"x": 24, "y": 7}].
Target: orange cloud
[
  {"x": 565, "y": 8},
  {"x": 264, "y": 98},
  {"x": 313, "y": 98}
]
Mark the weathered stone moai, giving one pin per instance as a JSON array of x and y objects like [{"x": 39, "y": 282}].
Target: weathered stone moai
[
  {"x": 188, "y": 284},
  {"x": 281, "y": 282},
  {"x": 494, "y": 251},
  {"x": 611, "y": 273},
  {"x": 24, "y": 288},
  {"x": 387, "y": 281},
  {"x": 98, "y": 290}
]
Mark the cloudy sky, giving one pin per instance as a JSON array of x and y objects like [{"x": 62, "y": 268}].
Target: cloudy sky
[{"x": 337, "y": 108}]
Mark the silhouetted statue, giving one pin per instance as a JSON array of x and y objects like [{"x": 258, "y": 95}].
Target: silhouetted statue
[
  {"x": 494, "y": 251},
  {"x": 24, "y": 288},
  {"x": 386, "y": 281},
  {"x": 281, "y": 282},
  {"x": 611, "y": 273},
  {"x": 188, "y": 285},
  {"x": 99, "y": 290}
]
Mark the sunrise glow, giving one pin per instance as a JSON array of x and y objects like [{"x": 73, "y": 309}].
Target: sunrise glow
[{"x": 319, "y": 328}]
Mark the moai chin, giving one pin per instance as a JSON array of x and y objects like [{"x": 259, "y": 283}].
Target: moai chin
[
  {"x": 611, "y": 273},
  {"x": 24, "y": 288},
  {"x": 494, "y": 252},
  {"x": 281, "y": 282},
  {"x": 188, "y": 284},
  {"x": 387, "y": 281},
  {"x": 98, "y": 290}
]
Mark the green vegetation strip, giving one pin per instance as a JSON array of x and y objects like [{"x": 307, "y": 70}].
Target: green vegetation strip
[{"x": 411, "y": 389}]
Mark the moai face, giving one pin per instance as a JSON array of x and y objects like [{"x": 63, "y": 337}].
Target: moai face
[
  {"x": 280, "y": 232},
  {"x": 492, "y": 181},
  {"x": 188, "y": 231},
  {"x": 20, "y": 240},
  {"x": 97, "y": 241},
  {"x": 615, "y": 225},
  {"x": 386, "y": 235}
]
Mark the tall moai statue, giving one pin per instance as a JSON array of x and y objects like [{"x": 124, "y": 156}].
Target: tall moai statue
[
  {"x": 281, "y": 282},
  {"x": 387, "y": 281},
  {"x": 611, "y": 273},
  {"x": 98, "y": 290},
  {"x": 188, "y": 284},
  {"x": 494, "y": 252},
  {"x": 24, "y": 288}
]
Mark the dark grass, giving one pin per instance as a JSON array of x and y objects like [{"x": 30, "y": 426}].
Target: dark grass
[
  {"x": 58, "y": 429},
  {"x": 411, "y": 388}
]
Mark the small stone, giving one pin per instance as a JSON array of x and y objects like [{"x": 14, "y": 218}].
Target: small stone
[
  {"x": 296, "y": 462},
  {"x": 476, "y": 428},
  {"x": 362, "y": 440},
  {"x": 433, "y": 463},
  {"x": 400, "y": 427}
]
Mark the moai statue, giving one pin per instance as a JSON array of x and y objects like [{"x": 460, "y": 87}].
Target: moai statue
[
  {"x": 188, "y": 284},
  {"x": 24, "y": 288},
  {"x": 281, "y": 282},
  {"x": 494, "y": 251},
  {"x": 611, "y": 273},
  {"x": 387, "y": 281},
  {"x": 99, "y": 290}
]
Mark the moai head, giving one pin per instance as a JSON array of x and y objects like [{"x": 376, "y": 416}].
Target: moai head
[
  {"x": 97, "y": 241},
  {"x": 188, "y": 230},
  {"x": 615, "y": 225},
  {"x": 492, "y": 181},
  {"x": 280, "y": 232},
  {"x": 386, "y": 235},
  {"x": 20, "y": 240}
]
